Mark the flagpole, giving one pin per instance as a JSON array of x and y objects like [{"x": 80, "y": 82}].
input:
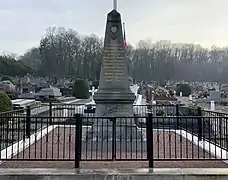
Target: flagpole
[{"x": 125, "y": 43}]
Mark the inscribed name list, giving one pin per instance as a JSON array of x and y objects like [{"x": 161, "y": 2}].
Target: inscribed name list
[{"x": 114, "y": 64}]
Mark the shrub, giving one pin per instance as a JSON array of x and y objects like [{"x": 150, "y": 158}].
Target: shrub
[
  {"x": 5, "y": 103},
  {"x": 192, "y": 110},
  {"x": 185, "y": 89},
  {"x": 160, "y": 112},
  {"x": 171, "y": 93},
  {"x": 81, "y": 89},
  {"x": 205, "y": 94}
]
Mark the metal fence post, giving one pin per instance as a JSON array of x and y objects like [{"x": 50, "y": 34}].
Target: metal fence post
[
  {"x": 50, "y": 113},
  {"x": 177, "y": 116},
  {"x": 28, "y": 121},
  {"x": 113, "y": 119},
  {"x": 78, "y": 139},
  {"x": 150, "y": 140},
  {"x": 200, "y": 123}
]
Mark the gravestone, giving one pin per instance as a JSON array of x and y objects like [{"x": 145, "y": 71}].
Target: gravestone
[
  {"x": 154, "y": 108},
  {"x": 190, "y": 97},
  {"x": 212, "y": 106},
  {"x": 215, "y": 96},
  {"x": 7, "y": 86},
  {"x": 114, "y": 99},
  {"x": 49, "y": 93}
]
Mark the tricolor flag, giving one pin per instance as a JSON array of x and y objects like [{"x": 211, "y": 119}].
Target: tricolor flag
[{"x": 125, "y": 42}]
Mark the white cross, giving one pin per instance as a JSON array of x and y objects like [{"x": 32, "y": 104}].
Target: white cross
[
  {"x": 190, "y": 97},
  {"x": 115, "y": 4},
  {"x": 93, "y": 90}
]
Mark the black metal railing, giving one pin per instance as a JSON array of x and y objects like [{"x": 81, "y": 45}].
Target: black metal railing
[
  {"x": 213, "y": 122},
  {"x": 66, "y": 135}
]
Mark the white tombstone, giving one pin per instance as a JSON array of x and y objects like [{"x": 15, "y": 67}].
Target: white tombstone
[
  {"x": 216, "y": 87},
  {"x": 174, "y": 92},
  {"x": 154, "y": 109},
  {"x": 212, "y": 105},
  {"x": 190, "y": 97},
  {"x": 28, "y": 79},
  {"x": 180, "y": 94},
  {"x": 152, "y": 98}
]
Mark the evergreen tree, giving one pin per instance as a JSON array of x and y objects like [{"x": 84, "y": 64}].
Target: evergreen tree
[{"x": 81, "y": 89}]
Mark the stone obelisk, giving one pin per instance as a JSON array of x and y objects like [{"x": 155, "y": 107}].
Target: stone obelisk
[{"x": 114, "y": 97}]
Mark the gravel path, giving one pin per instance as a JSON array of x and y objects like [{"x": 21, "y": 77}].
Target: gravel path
[{"x": 59, "y": 145}]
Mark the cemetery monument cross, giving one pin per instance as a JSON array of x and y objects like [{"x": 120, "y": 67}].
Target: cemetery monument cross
[
  {"x": 93, "y": 90},
  {"x": 114, "y": 97}
]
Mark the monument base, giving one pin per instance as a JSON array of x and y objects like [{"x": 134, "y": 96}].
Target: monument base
[
  {"x": 114, "y": 103},
  {"x": 114, "y": 110},
  {"x": 125, "y": 133}
]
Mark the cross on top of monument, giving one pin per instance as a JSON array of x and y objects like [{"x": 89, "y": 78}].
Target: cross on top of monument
[{"x": 115, "y": 5}]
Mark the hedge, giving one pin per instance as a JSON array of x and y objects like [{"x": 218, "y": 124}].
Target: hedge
[
  {"x": 184, "y": 88},
  {"x": 5, "y": 103}
]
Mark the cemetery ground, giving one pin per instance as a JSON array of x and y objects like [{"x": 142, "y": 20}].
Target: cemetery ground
[
  {"x": 57, "y": 150},
  {"x": 16, "y": 134}
]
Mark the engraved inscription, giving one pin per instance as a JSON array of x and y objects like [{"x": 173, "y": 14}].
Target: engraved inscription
[
  {"x": 110, "y": 109},
  {"x": 113, "y": 63}
]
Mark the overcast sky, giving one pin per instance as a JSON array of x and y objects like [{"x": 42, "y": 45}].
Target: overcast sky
[{"x": 23, "y": 22}]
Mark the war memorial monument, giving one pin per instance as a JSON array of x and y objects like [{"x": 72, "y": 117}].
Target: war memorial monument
[{"x": 114, "y": 99}]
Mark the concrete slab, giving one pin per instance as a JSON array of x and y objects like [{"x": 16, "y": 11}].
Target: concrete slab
[{"x": 114, "y": 174}]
